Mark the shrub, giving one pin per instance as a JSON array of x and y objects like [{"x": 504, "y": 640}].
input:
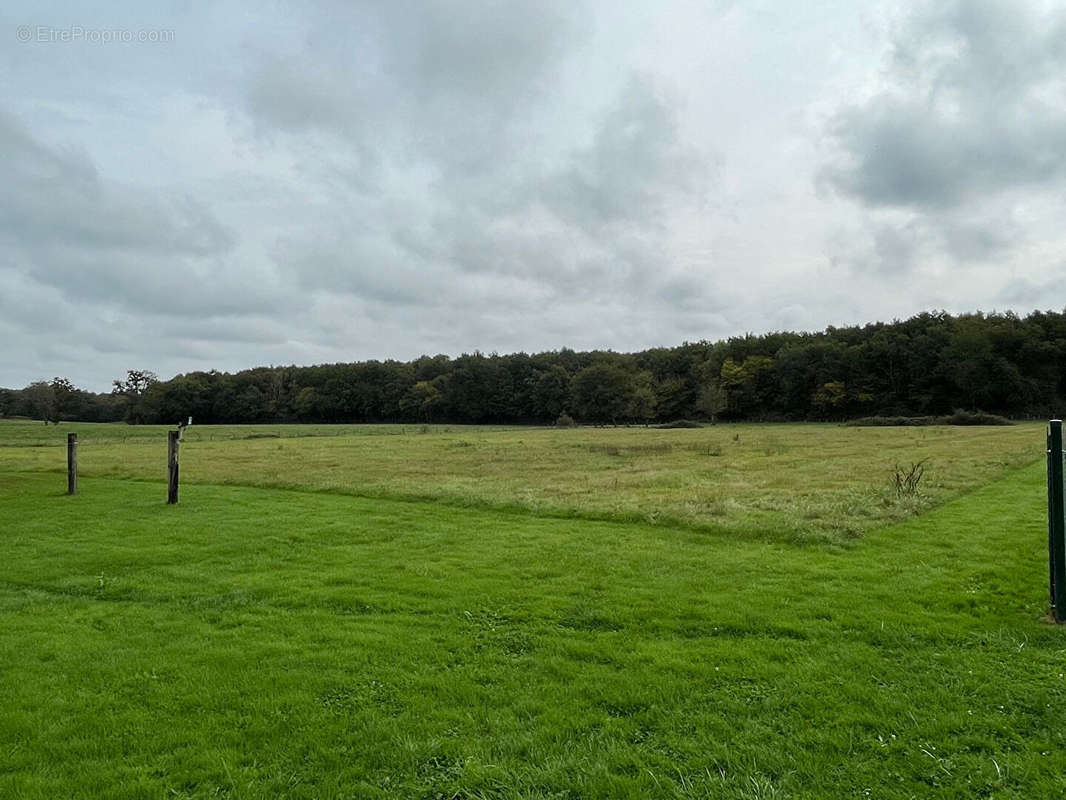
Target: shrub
[
  {"x": 565, "y": 421},
  {"x": 906, "y": 480},
  {"x": 680, "y": 423},
  {"x": 976, "y": 418},
  {"x": 890, "y": 421},
  {"x": 958, "y": 418}
]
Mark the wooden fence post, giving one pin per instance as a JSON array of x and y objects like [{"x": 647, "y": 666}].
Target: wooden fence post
[
  {"x": 173, "y": 438},
  {"x": 72, "y": 463}
]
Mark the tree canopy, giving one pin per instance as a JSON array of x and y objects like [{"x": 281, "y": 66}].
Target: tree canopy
[{"x": 930, "y": 364}]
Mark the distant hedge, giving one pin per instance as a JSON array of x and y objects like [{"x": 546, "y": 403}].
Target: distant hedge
[{"x": 957, "y": 418}]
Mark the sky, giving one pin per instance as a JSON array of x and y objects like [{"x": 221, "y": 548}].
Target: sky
[{"x": 220, "y": 185}]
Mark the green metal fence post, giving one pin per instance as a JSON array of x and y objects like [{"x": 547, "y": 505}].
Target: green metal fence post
[{"x": 1056, "y": 521}]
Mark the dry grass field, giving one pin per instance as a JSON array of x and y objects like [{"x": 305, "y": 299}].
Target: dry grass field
[{"x": 802, "y": 482}]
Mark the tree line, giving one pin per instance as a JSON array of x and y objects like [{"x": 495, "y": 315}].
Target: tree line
[{"x": 928, "y": 365}]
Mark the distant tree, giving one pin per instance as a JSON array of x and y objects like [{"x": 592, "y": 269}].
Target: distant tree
[
  {"x": 714, "y": 400},
  {"x": 191, "y": 395},
  {"x": 676, "y": 398},
  {"x": 249, "y": 405},
  {"x": 831, "y": 398},
  {"x": 602, "y": 393},
  {"x": 8, "y": 400},
  {"x": 40, "y": 399},
  {"x": 66, "y": 398},
  {"x": 968, "y": 362},
  {"x": 478, "y": 389},
  {"x": 421, "y": 399},
  {"x": 136, "y": 383},
  {"x": 103, "y": 408},
  {"x": 551, "y": 393},
  {"x": 745, "y": 384},
  {"x": 133, "y": 390},
  {"x": 305, "y": 404},
  {"x": 427, "y": 368},
  {"x": 642, "y": 399}
]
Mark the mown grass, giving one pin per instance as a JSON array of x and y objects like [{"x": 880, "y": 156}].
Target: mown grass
[
  {"x": 259, "y": 643},
  {"x": 820, "y": 483}
]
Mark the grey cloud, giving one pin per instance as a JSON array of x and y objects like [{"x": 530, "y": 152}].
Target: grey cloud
[
  {"x": 56, "y": 196},
  {"x": 292, "y": 94},
  {"x": 697, "y": 295},
  {"x": 480, "y": 184},
  {"x": 520, "y": 243},
  {"x": 22, "y": 301},
  {"x": 112, "y": 244},
  {"x": 147, "y": 285},
  {"x": 357, "y": 179},
  {"x": 966, "y": 125},
  {"x": 365, "y": 265},
  {"x": 441, "y": 80},
  {"x": 971, "y": 104},
  {"x": 245, "y": 329},
  {"x": 1029, "y": 294},
  {"x": 634, "y": 169},
  {"x": 590, "y": 228},
  {"x": 593, "y": 225},
  {"x": 502, "y": 51},
  {"x": 980, "y": 237},
  {"x": 45, "y": 334},
  {"x": 898, "y": 244},
  {"x": 896, "y": 247}
]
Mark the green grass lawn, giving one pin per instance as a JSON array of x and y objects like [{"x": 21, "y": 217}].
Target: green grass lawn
[{"x": 255, "y": 642}]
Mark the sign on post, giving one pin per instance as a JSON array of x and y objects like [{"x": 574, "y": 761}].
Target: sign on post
[{"x": 1056, "y": 526}]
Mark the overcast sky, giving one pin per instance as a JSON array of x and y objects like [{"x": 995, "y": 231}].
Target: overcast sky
[{"x": 222, "y": 185}]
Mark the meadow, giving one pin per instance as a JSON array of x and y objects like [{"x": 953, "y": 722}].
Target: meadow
[
  {"x": 445, "y": 612},
  {"x": 827, "y": 483}
]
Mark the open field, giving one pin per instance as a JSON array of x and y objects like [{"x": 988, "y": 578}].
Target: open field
[
  {"x": 354, "y": 641},
  {"x": 824, "y": 483}
]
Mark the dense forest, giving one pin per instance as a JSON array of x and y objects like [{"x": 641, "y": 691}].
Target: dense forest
[{"x": 931, "y": 364}]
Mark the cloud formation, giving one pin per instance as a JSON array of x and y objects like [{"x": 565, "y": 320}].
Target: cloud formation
[
  {"x": 963, "y": 127},
  {"x": 370, "y": 180},
  {"x": 972, "y": 104}
]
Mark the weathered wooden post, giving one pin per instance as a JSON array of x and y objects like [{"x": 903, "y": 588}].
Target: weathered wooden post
[
  {"x": 1056, "y": 524},
  {"x": 72, "y": 463},
  {"x": 173, "y": 439}
]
